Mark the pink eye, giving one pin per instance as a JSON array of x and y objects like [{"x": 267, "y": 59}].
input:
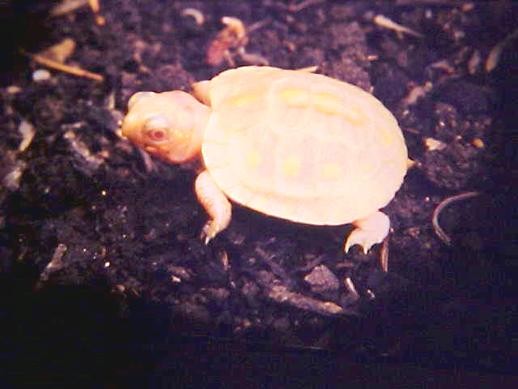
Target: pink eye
[
  {"x": 157, "y": 135},
  {"x": 156, "y": 129}
]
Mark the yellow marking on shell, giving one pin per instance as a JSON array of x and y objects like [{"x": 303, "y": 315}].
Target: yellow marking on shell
[
  {"x": 291, "y": 166},
  {"x": 366, "y": 167},
  {"x": 253, "y": 159},
  {"x": 328, "y": 104},
  {"x": 386, "y": 136},
  {"x": 354, "y": 116},
  {"x": 332, "y": 105},
  {"x": 295, "y": 97},
  {"x": 331, "y": 171},
  {"x": 241, "y": 100},
  {"x": 325, "y": 103}
]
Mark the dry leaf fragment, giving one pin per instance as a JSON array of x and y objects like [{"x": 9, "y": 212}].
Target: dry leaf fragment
[
  {"x": 385, "y": 22},
  {"x": 67, "y": 6},
  {"x": 494, "y": 55},
  {"x": 234, "y": 35},
  {"x": 478, "y": 143},
  {"x": 27, "y": 131},
  {"x": 61, "y": 51},
  {"x": 65, "y": 68},
  {"x": 434, "y": 144},
  {"x": 231, "y": 41},
  {"x": 197, "y": 15}
]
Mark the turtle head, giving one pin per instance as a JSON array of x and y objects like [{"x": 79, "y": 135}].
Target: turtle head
[{"x": 169, "y": 125}]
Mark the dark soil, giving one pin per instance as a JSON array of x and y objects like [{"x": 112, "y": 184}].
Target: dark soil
[{"x": 100, "y": 257}]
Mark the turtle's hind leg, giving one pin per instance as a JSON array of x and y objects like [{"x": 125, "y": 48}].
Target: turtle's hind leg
[{"x": 368, "y": 231}]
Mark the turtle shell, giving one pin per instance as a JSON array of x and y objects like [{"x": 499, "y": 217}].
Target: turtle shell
[{"x": 302, "y": 146}]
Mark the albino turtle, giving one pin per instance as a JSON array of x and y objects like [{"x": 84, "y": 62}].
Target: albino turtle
[{"x": 290, "y": 144}]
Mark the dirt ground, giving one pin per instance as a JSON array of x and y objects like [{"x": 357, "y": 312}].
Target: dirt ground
[{"x": 99, "y": 244}]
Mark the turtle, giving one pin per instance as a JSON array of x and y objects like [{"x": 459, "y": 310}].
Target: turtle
[{"x": 291, "y": 144}]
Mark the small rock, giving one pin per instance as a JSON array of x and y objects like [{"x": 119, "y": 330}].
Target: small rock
[
  {"x": 478, "y": 143},
  {"x": 322, "y": 280},
  {"x": 41, "y": 75},
  {"x": 434, "y": 144},
  {"x": 13, "y": 89}
]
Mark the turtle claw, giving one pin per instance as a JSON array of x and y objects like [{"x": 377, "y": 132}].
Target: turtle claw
[
  {"x": 359, "y": 237},
  {"x": 368, "y": 232},
  {"x": 215, "y": 203},
  {"x": 209, "y": 231}
]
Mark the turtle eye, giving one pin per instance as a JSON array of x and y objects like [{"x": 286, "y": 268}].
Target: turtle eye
[
  {"x": 156, "y": 129},
  {"x": 158, "y": 135}
]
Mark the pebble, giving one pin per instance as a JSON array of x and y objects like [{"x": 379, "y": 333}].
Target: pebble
[
  {"x": 41, "y": 75},
  {"x": 13, "y": 89},
  {"x": 321, "y": 279}
]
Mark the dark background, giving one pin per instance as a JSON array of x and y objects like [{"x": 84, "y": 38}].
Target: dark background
[{"x": 442, "y": 315}]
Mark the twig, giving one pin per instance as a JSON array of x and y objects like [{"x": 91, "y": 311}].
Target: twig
[
  {"x": 443, "y": 204},
  {"x": 96, "y": 7},
  {"x": 196, "y": 14},
  {"x": 27, "y": 130},
  {"x": 494, "y": 55},
  {"x": 67, "y": 6},
  {"x": 61, "y": 51},
  {"x": 64, "y": 68},
  {"x": 351, "y": 288},
  {"x": 282, "y": 294},
  {"x": 55, "y": 263},
  {"x": 257, "y": 25},
  {"x": 385, "y": 22},
  {"x": 384, "y": 255},
  {"x": 251, "y": 58},
  {"x": 303, "y": 4}
]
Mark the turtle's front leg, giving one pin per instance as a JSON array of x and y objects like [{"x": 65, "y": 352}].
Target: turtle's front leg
[
  {"x": 215, "y": 203},
  {"x": 368, "y": 231}
]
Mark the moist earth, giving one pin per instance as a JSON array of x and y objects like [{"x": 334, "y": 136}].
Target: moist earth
[{"x": 99, "y": 243}]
